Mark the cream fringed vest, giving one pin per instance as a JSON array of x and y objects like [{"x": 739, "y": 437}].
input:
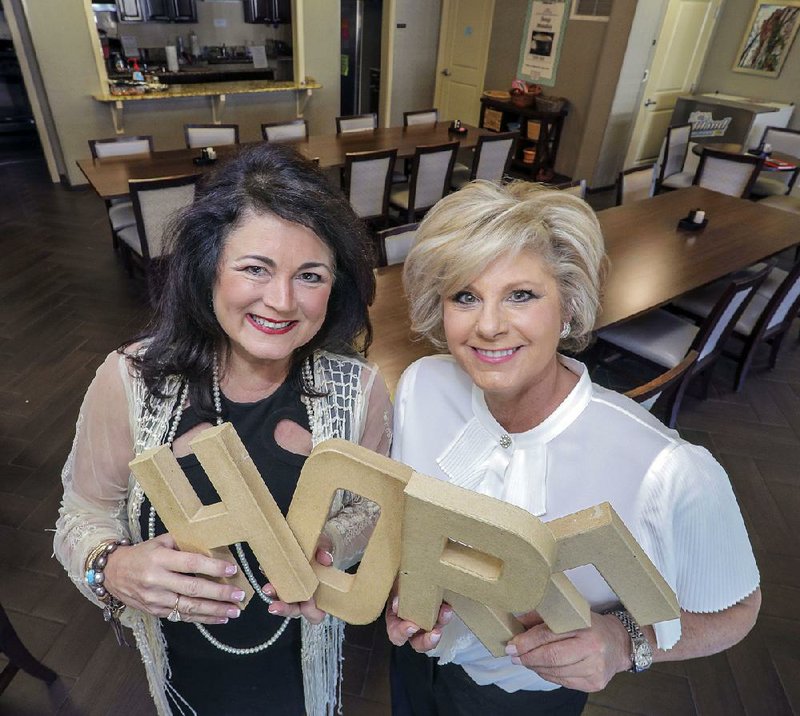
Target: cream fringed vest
[{"x": 336, "y": 414}]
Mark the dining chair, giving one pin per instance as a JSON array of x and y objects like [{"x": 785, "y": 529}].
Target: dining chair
[
  {"x": 367, "y": 181},
  {"x": 784, "y": 203},
  {"x": 285, "y": 131},
  {"x": 491, "y": 160},
  {"x": 429, "y": 181},
  {"x": 210, "y": 135},
  {"x": 356, "y": 123},
  {"x": 777, "y": 183},
  {"x": 120, "y": 210},
  {"x": 394, "y": 244},
  {"x": 732, "y": 174},
  {"x": 155, "y": 202},
  {"x": 635, "y": 184},
  {"x": 421, "y": 116},
  {"x": 671, "y": 172},
  {"x": 665, "y": 339},
  {"x": 576, "y": 188},
  {"x": 766, "y": 319},
  {"x": 655, "y": 394}
]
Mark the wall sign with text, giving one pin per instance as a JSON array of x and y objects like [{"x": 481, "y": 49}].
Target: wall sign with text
[{"x": 541, "y": 44}]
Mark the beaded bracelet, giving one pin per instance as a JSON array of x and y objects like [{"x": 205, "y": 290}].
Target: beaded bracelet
[{"x": 95, "y": 580}]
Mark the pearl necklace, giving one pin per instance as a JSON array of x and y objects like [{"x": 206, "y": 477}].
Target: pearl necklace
[{"x": 246, "y": 568}]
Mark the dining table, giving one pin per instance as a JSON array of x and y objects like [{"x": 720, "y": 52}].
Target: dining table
[
  {"x": 790, "y": 160},
  {"x": 109, "y": 176},
  {"x": 651, "y": 262}
]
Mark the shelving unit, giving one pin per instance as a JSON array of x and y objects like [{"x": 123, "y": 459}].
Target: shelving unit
[{"x": 539, "y": 132}]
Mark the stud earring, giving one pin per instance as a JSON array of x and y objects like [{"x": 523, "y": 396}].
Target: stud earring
[{"x": 566, "y": 330}]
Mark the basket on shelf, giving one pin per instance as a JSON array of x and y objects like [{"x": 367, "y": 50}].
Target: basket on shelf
[
  {"x": 499, "y": 95},
  {"x": 550, "y": 104},
  {"x": 525, "y": 99}
]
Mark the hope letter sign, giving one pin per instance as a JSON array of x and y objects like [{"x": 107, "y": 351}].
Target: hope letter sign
[{"x": 484, "y": 557}]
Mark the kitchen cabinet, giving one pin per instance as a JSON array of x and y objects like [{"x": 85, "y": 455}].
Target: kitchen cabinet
[
  {"x": 540, "y": 134},
  {"x": 130, "y": 10},
  {"x": 270, "y": 12},
  {"x": 171, "y": 10}
]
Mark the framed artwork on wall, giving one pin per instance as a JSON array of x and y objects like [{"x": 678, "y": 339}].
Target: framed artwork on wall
[{"x": 768, "y": 37}]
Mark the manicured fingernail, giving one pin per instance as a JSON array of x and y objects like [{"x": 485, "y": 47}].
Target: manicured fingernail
[
  {"x": 272, "y": 609},
  {"x": 511, "y": 650},
  {"x": 222, "y": 620},
  {"x": 238, "y": 595},
  {"x": 447, "y": 615},
  {"x": 410, "y": 631},
  {"x": 435, "y": 636},
  {"x": 395, "y": 602},
  {"x": 233, "y": 612},
  {"x": 269, "y": 590},
  {"x": 516, "y": 660},
  {"x": 231, "y": 569},
  {"x": 330, "y": 558}
]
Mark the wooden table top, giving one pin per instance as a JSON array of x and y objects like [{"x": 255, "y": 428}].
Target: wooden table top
[
  {"x": 652, "y": 262},
  {"x": 736, "y": 148},
  {"x": 109, "y": 177}
]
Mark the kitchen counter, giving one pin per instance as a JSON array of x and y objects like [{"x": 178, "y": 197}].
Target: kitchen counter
[{"x": 217, "y": 91}]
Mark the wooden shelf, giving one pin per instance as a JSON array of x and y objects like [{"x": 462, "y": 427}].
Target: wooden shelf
[{"x": 546, "y": 144}]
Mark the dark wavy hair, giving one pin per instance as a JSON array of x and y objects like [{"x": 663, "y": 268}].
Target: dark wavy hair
[{"x": 263, "y": 179}]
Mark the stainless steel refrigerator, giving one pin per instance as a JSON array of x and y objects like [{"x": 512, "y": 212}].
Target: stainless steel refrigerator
[{"x": 361, "y": 56}]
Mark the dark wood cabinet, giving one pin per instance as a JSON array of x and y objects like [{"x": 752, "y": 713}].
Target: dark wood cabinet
[
  {"x": 540, "y": 134},
  {"x": 171, "y": 10},
  {"x": 269, "y": 12}
]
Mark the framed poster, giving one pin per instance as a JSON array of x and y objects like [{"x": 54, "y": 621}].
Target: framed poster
[
  {"x": 768, "y": 37},
  {"x": 541, "y": 41}
]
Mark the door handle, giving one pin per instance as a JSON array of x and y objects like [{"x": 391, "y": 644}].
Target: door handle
[
  {"x": 650, "y": 103},
  {"x": 446, "y": 72}
]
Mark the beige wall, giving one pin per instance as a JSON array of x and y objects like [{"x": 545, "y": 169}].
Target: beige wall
[
  {"x": 591, "y": 57},
  {"x": 64, "y": 50},
  {"x": 717, "y": 75}
]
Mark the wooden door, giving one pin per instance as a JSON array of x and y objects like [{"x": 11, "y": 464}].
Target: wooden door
[
  {"x": 680, "y": 50},
  {"x": 466, "y": 28}
]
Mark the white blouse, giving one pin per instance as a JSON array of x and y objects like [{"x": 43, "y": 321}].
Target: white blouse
[{"x": 596, "y": 446}]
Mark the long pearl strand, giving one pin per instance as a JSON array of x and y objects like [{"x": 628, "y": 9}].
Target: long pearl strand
[{"x": 246, "y": 568}]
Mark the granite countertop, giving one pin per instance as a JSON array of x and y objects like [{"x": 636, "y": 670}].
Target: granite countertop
[{"x": 206, "y": 89}]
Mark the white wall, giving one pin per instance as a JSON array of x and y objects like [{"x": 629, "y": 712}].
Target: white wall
[{"x": 644, "y": 31}]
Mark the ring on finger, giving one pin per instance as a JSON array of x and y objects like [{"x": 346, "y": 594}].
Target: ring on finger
[{"x": 175, "y": 614}]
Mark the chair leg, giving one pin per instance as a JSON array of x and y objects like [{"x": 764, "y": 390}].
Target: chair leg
[
  {"x": 19, "y": 657},
  {"x": 674, "y": 403},
  {"x": 705, "y": 381},
  {"x": 744, "y": 364}
]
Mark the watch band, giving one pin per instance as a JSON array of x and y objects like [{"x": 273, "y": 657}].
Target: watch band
[{"x": 641, "y": 651}]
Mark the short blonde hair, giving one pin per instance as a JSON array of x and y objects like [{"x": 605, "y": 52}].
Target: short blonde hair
[{"x": 469, "y": 229}]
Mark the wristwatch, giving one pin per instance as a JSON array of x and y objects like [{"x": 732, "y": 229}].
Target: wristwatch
[{"x": 641, "y": 651}]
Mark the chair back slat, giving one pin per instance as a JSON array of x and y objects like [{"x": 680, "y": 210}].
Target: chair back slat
[
  {"x": 155, "y": 202},
  {"x": 423, "y": 116},
  {"x": 788, "y": 304},
  {"x": 121, "y": 146},
  {"x": 356, "y": 123},
  {"x": 430, "y": 175},
  {"x": 676, "y": 147},
  {"x": 635, "y": 184},
  {"x": 728, "y": 173},
  {"x": 285, "y": 131},
  {"x": 493, "y": 155},
  {"x": 783, "y": 140},
  {"x": 720, "y": 322},
  {"x": 368, "y": 178},
  {"x": 211, "y": 135},
  {"x": 395, "y": 243}
]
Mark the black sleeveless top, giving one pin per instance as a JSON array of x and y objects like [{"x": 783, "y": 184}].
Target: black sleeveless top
[{"x": 210, "y": 680}]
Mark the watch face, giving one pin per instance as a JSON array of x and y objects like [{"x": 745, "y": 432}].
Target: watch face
[{"x": 642, "y": 656}]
